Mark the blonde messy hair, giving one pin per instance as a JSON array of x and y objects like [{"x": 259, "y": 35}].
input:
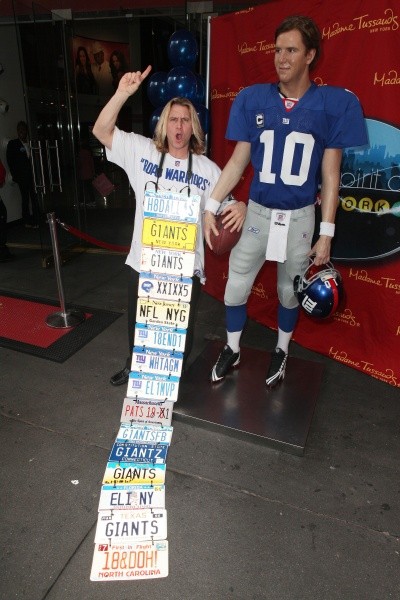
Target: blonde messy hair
[{"x": 196, "y": 143}]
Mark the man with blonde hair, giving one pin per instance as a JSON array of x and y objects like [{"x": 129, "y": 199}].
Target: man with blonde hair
[{"x": 173, "y": 160}]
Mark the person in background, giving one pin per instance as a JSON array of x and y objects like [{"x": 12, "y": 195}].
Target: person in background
[
  {"x": 5, "y": 254},
  {"x": 118, "y": 67},
  {"x": 173, "y": 160},
  {"x": 101, "y": 71},
  {"x": 85, "y": 81},
  {"x": 18, "y": 159},
  {"x": 293, "y": 132}
]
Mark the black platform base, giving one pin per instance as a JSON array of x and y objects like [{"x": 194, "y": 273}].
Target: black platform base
[{"x": 243, "y": 407}]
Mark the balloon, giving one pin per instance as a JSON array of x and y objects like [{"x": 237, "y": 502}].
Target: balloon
[
  {"x": 182, "y": 82},
  {"x": 157, "y": 88},
  {"x": 201, "y": 89},
  {"x": 182, "y": 49},
  {"x": 204, "y": 116},
  {"x": 154, "y": 119}
]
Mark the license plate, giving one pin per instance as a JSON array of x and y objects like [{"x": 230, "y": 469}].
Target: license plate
[
  {"x": 169, "y": 234},
  {"x": 134, "y": 411},
  {"x": 121, "y": 562},
  {"x": 126, "y": 473},
  {"x": 138, "y": 452},
  {"x": 121, "y": 526},
  {"x": 165, "y": 287},
  {"x": 162, "y": 312},
  {"x": 171, "y": 262},
  {"x": 157, "y": 336},
  {"x": 151, "y": 360},
  {"x": 131, "y": 497},
  {"x": 171, "y": 205},
  {"x": 153, "y": 387},
  {"x": 153, "y": 434}
]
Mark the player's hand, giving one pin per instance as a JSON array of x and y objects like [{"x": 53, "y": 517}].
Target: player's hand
[
  {"x": 234, "y": 216},
  {"x": 208, "y": 226},
  {"x": 130, "y": 82},
  {"x": 322, "y": 250}
]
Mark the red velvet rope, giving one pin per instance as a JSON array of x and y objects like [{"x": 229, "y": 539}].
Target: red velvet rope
[{"x": 92, "y": 240}]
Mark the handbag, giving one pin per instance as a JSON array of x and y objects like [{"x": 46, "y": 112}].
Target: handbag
[{"x": 103, "y": 185}]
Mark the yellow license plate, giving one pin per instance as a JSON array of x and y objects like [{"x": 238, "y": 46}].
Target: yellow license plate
[{"x": 169, "y": 234}]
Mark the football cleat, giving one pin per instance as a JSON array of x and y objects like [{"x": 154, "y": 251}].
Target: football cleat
[
  {"x": 226, "y": 361},
  {"x": 277, "y": 368}
]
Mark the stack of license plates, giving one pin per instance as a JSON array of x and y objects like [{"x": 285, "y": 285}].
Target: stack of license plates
[{"x": 131, "y": 534}]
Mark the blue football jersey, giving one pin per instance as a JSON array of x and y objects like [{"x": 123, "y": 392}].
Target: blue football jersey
[{"x": 287, "y": 147}]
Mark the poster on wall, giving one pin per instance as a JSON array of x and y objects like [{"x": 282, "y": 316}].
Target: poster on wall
[
  {"x": 365, "y": 333},
  {"x": 99, "y": 65}
]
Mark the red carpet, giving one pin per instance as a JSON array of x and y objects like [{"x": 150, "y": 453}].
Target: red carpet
[{"x": 23, "y": 327}]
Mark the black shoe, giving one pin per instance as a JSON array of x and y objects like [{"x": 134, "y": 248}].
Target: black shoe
[
  {"x": 277, "y": 368},
  {"x": 226, "y": 361},
  {"x": 121, "y": 377}
]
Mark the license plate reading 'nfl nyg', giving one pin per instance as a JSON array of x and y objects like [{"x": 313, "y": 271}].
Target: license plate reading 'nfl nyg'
[
  {"x": 143, "y": 411},
  {"x": 130, "y": 561},
  {"x": 161, "y": 312},
  {"x": 158, "y": 336},
  {"x": 165, "y": 287},
  {"x": 169, "y": 234},
  {"x": 131, "y": 497},
  {"x": 123, "y": 526},
  {"x": 171, "y": 205},
  {"x": 153, "y": 387},
  {"x": 151, "y": 360},
  {"x": 171, "y": 262}
]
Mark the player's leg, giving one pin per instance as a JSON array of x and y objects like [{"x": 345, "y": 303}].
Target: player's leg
[
  {"x": 245, "y": 261},
  {"x": 300, "y": 234}
]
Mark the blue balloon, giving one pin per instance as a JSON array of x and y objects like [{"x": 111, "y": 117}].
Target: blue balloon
[
  {"x": 204, "y": 116},
  {"x": 201, "y": 90},
  {"x": 182, "y": 82},
  {"x": 157, "y": 88},
  {"x": 154, "y": 119},
  {"x": 182, "y": 49}
]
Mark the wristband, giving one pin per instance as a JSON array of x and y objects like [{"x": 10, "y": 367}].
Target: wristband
[
  {"x": 212, "y": 205},
  {"x": 326, "y": 228}
]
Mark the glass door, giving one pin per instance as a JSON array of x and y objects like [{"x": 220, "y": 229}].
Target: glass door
[{"x": 52, "y": 120}]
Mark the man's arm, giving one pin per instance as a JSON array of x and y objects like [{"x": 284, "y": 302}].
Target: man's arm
[
  {"x": 104, "y": 127},
  {"x": 330, "y": 171},
  {"x": 230, "y": 176}
]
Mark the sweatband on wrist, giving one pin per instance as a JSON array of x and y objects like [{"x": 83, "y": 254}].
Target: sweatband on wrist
[
  {"x": 327, "y": 228},
  {"x": 212, "y": 205}
]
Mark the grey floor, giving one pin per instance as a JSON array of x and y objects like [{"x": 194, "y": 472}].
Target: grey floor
[{"x": 245, "y": 521}]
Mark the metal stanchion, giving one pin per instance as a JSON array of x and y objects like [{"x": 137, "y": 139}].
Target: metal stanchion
[{"x": 64, "y": 318}]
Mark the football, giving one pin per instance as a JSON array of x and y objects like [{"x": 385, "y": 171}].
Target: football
[{"x": 226, "y": 239}]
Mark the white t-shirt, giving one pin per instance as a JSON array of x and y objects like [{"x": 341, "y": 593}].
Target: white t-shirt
[{"x": 140, "y": 159}]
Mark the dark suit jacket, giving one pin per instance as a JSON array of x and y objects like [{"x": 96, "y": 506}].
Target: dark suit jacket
[{"x": 18, "y": 161}]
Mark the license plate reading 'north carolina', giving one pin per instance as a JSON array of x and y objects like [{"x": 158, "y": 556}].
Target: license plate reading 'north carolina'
[{"x": 130, "y": 561}]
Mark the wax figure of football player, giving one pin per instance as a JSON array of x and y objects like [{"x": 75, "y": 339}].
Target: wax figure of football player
[
  {"x": 173, "y": 160},
  {"x": 293, "y": 132}
]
